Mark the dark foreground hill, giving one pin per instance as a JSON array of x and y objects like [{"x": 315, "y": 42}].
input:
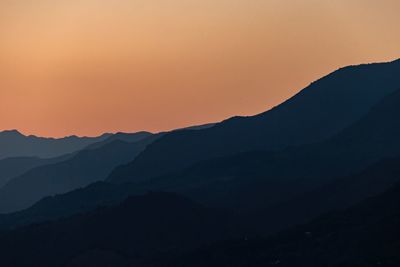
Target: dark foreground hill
[
  {"x": 140, "y": 231},
  {"x": 318, "y": 112},
  {"x": 162, "y": 229},
  {"x": 340, "y": 194},
  {"x": 65, "y": 205},
  {"x": 363, "y": 236}
]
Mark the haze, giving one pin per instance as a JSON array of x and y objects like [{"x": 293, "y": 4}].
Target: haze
[{"x": 91, "y": 66}]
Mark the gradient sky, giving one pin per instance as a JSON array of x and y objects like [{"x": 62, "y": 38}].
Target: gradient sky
[{"x": 91, "y": 66}]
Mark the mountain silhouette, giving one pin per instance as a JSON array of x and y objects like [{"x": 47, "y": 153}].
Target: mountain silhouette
[
  {"x": 163, "y": 229},
  {"x": 16, "y": 166},
  {"x": 318, "y": 112},
  {"x": 87, "y": 166},
  {"x": 316, "y": 179},
  {"x": 13, "y": 167},
  {"x": 340, "y": 194},
  {"x": 141, "y": 229},
  {"x": 15, "y": 144},
  {"x": 253, "y": 179},
  {"x": 367, "y": 234},
  {"x": 126, "y": 137},
  {"x": 272, "y": 182},
  {"x": 71, "y": 203},
  {"x": 291, "y": 184}
]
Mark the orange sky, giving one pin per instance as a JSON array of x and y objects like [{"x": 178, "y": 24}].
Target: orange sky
[{"x": 91, "y": 66}]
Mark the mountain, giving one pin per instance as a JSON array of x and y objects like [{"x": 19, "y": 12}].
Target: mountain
[
  {"x": 318, "y": 112},
  {"x": 270, "y": 182},
  {"x": 16, "y": 166},
  {"x": 65, "y": 205},
  {"x": 126, "y": 137},
  {"x": 247, "y": 181},
  {"x": 351, "y": 175},
  {"x": 198, "y": 127},
  {"x": 340, "y": 194},
  {"x": 13, "y": 167},
  {"x": 163, "y": 229},
  {"x": 367, "y": 234},
  {"x": 139, "y": 230},
  {"x": 15, "y": 144},
  {"x": 87, "y": 166}
]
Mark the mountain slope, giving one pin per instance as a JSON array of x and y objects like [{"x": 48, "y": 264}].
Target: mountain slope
[
  {"x": 15, "y": 144},
  {"x": 275, "y": 182},
  {"x": 320, "y": 111},
  {"x": 126, "y": 137},
  {"x": 71, "y": 203},
  {"x": 87, "y": 166},
  {"x": 365, "y": 235},
  {"x": 342, "y": 193},
  {"x": 141, "y": 229},
  {"x": 268, "y": 178},
  {"x": 13, "y": 167},
  {"x": 161, "y": 229}
]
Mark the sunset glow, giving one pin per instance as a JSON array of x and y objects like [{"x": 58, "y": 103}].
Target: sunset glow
[{"x": 91, "y": 66}]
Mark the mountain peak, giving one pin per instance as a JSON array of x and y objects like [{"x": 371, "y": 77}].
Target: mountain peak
[{"x": 13, "y": 132}]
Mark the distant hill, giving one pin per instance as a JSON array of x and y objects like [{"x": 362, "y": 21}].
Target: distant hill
[
  {"x": 198, "y": 127},
  {"x": 87, "y": 166},
  {"x": 126, "y": 137},
  {"x": 15, "y": 144},
  {"x": 13, "y": 167},
  {"x": 25, "y": 183},
  {"x": 318, "y": 112}
]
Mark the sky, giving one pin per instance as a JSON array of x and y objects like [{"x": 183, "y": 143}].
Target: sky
[{"x": 86, "y": 67}]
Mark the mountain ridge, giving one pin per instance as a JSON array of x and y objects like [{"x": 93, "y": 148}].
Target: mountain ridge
[
  {"x": 310, "y": 116},
  {"x": 261, "y": 180},
  {"x": 89, "y": 165},
  {"x": 16, "y": 144}
]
